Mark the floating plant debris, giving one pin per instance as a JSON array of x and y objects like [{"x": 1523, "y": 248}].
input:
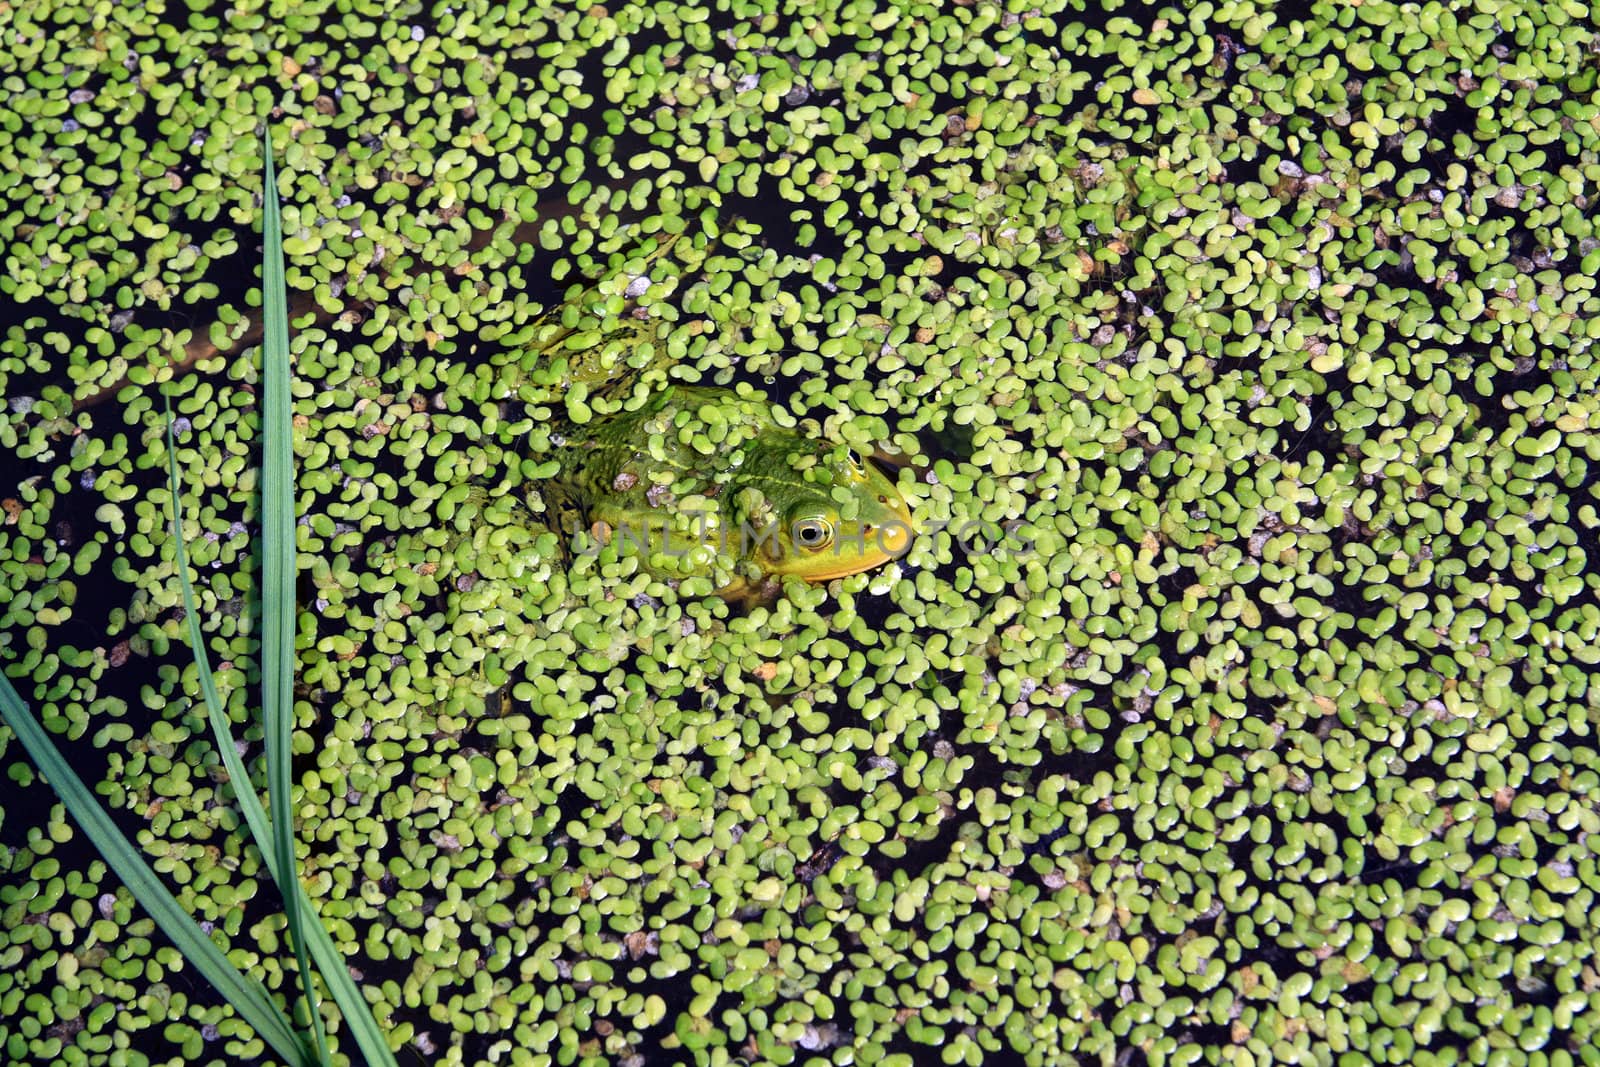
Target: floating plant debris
[{"x": 1233, "y": 700}]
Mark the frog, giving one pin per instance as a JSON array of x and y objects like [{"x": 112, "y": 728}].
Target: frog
[{"x": 699, "y": 479}]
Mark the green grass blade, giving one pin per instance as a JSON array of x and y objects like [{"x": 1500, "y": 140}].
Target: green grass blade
[
  {"x": 330, "y": 964},
  {"x": 248, "y": 996},
  {"x": 277, "y": 583}
]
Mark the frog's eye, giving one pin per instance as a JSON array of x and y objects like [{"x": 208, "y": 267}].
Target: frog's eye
[
  {"x": 855, "y": 458},
  {"x": 813, "y": 534}
]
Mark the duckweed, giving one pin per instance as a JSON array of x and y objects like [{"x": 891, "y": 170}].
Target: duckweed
[{"x": 1234, "y": 699}]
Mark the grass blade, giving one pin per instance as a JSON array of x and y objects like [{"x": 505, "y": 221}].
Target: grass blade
[
  {"x": 248, "y": 996},
  {"x": 278, "y": 574},
  {"x": 330, "y": 963}
]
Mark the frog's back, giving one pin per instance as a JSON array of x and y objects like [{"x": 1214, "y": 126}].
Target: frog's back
[{"x": 682, "y": 440}]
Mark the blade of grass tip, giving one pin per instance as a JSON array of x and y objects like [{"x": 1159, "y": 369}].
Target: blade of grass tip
[
  {"x": 331, "y": 964},
  {"x": 248, "y": 996},
  {"x": 277, "y": 581}
]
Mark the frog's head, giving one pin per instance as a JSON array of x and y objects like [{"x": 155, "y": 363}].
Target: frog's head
[{"x": 847, "y": 518}]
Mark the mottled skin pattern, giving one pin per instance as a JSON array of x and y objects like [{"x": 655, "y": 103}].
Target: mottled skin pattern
[{"x": 820, "y": 511}]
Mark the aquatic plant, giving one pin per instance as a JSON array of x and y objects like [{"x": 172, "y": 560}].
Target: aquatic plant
[{"x": 1235, "y": 699}]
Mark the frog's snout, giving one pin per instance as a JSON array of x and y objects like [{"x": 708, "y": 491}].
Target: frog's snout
[{"x": 894, "y": 533}]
